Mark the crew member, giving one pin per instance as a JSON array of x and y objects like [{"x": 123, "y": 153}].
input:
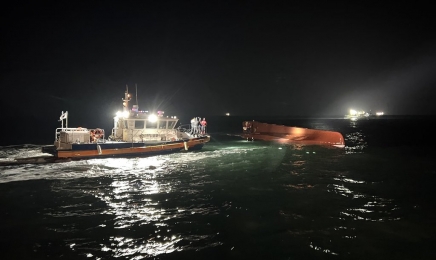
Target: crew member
[
  {"x": 198, "y": 119},
  {"x": 193, "y": 125},
  {"x": 203, "y": 126}
]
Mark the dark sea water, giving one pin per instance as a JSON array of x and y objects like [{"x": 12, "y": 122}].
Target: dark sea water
[{"x": 234, "y": 199}]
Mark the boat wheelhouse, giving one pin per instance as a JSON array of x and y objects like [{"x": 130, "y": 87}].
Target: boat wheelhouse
[{"x": 141, "y": 127}]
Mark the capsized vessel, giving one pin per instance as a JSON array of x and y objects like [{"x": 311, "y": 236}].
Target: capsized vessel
[{"x": 271, "y": 132}]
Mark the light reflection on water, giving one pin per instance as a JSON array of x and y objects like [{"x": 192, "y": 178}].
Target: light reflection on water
[
  {"x": 241, "y": 198},
  {"x": 145, "y": 192},
  {"x": 355, "y": 142},
  {"x": 369, "y": 203},
  {"x": 122, "y": 247}
]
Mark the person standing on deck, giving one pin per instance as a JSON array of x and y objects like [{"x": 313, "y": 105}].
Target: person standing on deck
[
  {"x": 198, "y": 124},
  {"x": 203, "y": 126},
  {"x": 193, "y": 125}
]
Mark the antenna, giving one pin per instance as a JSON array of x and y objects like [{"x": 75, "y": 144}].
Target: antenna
[{"x": 136, "y": 86}]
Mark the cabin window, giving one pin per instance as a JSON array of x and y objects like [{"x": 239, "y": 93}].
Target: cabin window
[
  {"x": 151, "y": 125},
  {"x": 162, "y": 124},
  {"x": 139, "y": 124},
  {"x": 171, "y": 124}
]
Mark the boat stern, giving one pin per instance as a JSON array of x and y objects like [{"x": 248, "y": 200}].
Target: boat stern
[{"x": 50, "y": 149}]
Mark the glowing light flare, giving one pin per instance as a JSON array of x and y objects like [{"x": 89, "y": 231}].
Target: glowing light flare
[
  {"x": 123, "y": 114},
  {"x": 152, "y": 118}
]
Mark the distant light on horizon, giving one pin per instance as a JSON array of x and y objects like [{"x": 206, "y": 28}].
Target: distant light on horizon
[
  {"x": 379, "y": 113},
  {"x": 227, "y": 114}
]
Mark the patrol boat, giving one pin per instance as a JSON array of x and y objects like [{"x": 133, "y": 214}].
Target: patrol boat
[{"x": 135, "y": 133}]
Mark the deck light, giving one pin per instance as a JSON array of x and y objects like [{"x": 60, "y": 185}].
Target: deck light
[{"x": 152, "y": 118}]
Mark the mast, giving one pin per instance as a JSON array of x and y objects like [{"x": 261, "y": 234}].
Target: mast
[
  {"x": 62, "y": 117},
  {"x": 126, "y": 99}
]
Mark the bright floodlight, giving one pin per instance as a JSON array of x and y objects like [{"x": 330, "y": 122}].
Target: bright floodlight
[
  {"x": 152, "y": 118},
  {"x": 124, "y": 114},
  {"x": 353, "y": 112},
  {"x": 227, "y": 114}
]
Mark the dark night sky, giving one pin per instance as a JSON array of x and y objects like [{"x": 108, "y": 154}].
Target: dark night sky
[{"x": 213, "y": 57}]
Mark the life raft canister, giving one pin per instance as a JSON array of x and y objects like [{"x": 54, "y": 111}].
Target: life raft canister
[
  {"x": 98, "y": 133},
  {"x": 91, "y": 135}
]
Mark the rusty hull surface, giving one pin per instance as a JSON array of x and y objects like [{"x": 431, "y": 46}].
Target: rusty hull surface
[{"x": 270, "y": 132}]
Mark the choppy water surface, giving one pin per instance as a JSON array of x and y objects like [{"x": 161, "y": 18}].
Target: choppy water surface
[{"x": 232, "y": 200}]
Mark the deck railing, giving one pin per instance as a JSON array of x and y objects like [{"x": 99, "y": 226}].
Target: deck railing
[
  {"x": 187, "y": 128},
  {"x": 71, "y": 130}
]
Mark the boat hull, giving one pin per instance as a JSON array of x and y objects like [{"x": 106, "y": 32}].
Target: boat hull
[
  {"x": 124, "y": 149},
  {"x": 253, "y": 130}
]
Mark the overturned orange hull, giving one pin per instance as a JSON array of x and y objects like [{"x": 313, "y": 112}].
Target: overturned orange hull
[{"x": 270, "y": 132}]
